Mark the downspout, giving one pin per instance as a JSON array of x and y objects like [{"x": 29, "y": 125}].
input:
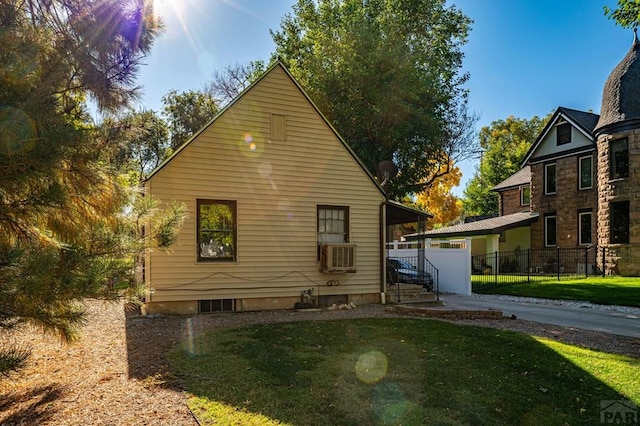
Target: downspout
[{"x": 383, "y": 248}]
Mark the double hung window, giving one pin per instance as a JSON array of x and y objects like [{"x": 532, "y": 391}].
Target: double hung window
[
  {"x": 217, "y": 223},
  {"x": 550, "y": 230},
  {"x": 585, "y": 172},
  {"x": 550, "y": 178},
  {"x": 584, "y": 226},
  {"x": 333, "y": 224},
  {"x": 619, "y": 222},
  {"x": 618, "y": 158}
]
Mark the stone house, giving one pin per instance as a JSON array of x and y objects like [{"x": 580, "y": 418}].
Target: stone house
[{"x": 579, "y": 182}]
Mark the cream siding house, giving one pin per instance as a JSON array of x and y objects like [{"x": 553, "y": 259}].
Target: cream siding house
[{"x": 265, "y": 183}]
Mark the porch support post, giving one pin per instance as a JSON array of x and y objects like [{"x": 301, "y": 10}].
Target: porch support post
[
  {"x": 493, "y": 246},
  {"x": 421, "y": 244}
]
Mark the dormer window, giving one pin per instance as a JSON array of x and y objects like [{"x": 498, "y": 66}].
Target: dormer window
[{"x": 563, "y": 133}]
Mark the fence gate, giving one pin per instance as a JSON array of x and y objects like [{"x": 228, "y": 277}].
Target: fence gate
[{"x": 451, "y": 257}]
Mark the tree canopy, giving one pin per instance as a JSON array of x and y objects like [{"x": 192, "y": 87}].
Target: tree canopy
[
  {"x": 227, "y": 84},
  {"x": 64, "y": 231},
  {"x": 386, "y": 73},
  {"x": 627, "y": 14},
  {"x": 139, "y": 141},
  {"x": 504, "y": 144},
  {"x": 440, "y": 202},
  {"x": 186, "y": 113}
]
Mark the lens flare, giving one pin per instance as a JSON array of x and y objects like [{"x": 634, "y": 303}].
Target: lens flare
[
  {"x": 265, "y": 169},
  {"x": 18, "y": 131},
  {"x": 189, "y": 336},
  {"x": 251, "y": 145},
  {"x": 371, "y": 367}
]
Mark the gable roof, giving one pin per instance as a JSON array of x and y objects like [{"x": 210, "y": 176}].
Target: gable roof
[
  {"x": 584, "y": 121},
  {"x": 494, "y": 225},
  {"x": 276, "y": 64},
  {"x": 521, "y": 177}
]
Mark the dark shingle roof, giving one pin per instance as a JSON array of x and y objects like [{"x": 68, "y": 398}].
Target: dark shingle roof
[
  {"x": 621, "y": 94},
  {"x": 494, "y": 225},
  {"x": 521, "y": 177},
  {"x": 586, "y": 120}
]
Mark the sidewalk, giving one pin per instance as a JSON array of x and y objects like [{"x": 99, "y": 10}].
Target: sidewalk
[{"x": 622, "y": 321}]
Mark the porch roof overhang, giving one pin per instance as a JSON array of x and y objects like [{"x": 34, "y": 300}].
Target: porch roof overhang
[
  {"x": 494, "y": 225},
  {"x": 398, "y": 213}
]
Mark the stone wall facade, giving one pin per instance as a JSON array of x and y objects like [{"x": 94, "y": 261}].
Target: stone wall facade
[
  {"x": 622, "y": 259},
  {"x": 510, "y": 202},
  {"x": 567, "y": 203}
]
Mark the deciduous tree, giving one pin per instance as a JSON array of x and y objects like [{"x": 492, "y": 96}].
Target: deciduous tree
[
  {"x": 140, "y": 141},
  {"x": 186, "y": 113},
  {"x": 504, "y": 144},
  {"x": 440, "y": 202},
  {"x": 386, "y": 73},
  {"x": 227, "y": 84},
  {"x": 627, "y": 14}
]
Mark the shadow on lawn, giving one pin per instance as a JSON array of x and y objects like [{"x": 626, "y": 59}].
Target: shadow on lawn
[{"x": 442, "y": 373}]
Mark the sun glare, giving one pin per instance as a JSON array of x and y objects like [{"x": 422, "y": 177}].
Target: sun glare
[{"x": 174, "y": 15}]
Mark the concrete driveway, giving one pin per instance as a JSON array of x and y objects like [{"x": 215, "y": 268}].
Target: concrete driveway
[{"x": 623, "y": 321}]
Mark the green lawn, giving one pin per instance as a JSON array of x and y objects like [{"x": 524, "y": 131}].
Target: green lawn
[
  {"x": 396, "y": 371},
  {"x": 607, "y": 291}
]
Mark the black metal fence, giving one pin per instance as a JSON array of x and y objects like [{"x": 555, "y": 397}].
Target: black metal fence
[
  {"x": 417, "y": 271},
  {"x": 521, "y": 266}
]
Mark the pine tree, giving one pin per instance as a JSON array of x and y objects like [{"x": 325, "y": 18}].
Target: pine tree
[{"x": 70, "y": 228}]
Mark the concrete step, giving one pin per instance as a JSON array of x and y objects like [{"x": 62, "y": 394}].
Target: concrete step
[{"x": 411, "y": 294}]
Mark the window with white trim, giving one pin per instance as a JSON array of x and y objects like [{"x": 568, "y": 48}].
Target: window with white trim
[
  {"x": 585, "y": 172},
  {"x": 584, "y": 227},
  {"x": 550, "y": 178},
  {"x": 525, "y": 195},
  {"x": 550, "y": 230},
  {"x": 563, "y": 133},
  {"x": 333, "y": 224}
]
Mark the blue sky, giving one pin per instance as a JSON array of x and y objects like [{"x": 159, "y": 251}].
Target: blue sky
[{"x": 525, "y": 57}]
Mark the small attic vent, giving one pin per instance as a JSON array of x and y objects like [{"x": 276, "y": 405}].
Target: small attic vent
[{"x": 278, "y": 127}]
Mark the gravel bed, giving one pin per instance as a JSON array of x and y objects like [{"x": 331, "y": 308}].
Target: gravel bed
[{"x": 118, "y": 374}]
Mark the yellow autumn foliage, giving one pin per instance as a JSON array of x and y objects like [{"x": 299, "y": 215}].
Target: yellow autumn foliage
[{"x": 440, "y": 202}]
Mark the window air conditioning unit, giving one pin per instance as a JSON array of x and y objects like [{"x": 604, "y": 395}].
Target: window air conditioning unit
[{"x": 337, "y": 258}]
